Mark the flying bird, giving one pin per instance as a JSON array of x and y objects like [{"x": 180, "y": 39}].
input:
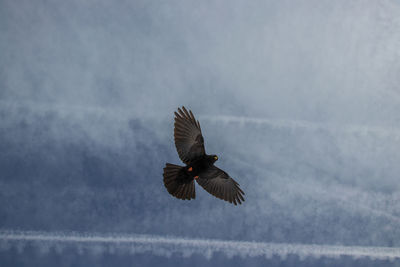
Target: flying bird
[{"x": 189, "y": 143}]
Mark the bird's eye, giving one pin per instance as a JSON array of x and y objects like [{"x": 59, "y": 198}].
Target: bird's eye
[{"x": 215, "y": 157}]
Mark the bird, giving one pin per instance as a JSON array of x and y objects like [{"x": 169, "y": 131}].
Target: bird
[{"x": 189, "y": 143}]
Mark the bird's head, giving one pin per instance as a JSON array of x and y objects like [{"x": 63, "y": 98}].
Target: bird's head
[{"x": 214, "y": 158}]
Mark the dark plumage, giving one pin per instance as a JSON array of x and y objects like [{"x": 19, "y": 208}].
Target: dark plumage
[{"x": 189, "y": 143}]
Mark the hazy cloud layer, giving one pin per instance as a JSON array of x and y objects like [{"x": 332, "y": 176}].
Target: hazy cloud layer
[{"x": 310, "y": 60}]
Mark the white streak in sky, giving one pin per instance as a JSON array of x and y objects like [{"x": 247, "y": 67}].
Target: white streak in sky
[
  {"x": 383, "y": 132},
  {"x": 185, "y": 247},
  {"x": 121, "y": 114}
]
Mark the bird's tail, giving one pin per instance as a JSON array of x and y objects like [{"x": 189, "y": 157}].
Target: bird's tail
[{"x": 178, "y": 182}]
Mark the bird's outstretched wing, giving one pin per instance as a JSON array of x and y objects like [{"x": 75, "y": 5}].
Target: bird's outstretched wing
[
  {"x": 218, "y": 183},
  {"x": 187, "y": 134}
]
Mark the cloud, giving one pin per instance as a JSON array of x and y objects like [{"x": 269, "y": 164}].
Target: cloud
[
  {"x": 309, "y": 175},
  {"x": 299, "y": 100},
  {"x": 185, "y": 247},
  {"x": 311, "y": 60}
]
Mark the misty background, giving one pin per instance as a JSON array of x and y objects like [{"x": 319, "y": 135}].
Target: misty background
[{"x": 300, "y": 101}]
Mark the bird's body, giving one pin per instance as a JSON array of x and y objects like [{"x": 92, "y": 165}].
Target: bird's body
[
  {"x": 200, "y": 165},
  {"x": 189, "y": 143}
]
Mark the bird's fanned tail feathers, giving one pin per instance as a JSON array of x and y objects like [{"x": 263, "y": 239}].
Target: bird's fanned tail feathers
[{"x": 178, "y": 182}]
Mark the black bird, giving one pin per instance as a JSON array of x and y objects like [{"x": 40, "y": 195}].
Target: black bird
[{"x": 189, "y": 143}]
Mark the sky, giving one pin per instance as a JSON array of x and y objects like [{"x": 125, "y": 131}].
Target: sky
[{"x": 299, "y": 100}]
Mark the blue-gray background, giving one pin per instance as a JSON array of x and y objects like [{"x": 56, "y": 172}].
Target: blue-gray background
[{"x": 87, "y": 94}]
